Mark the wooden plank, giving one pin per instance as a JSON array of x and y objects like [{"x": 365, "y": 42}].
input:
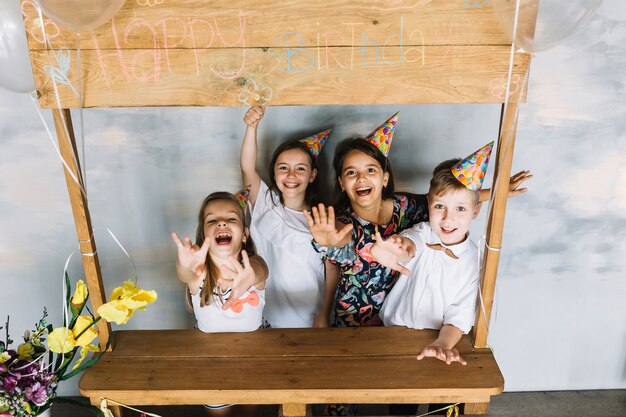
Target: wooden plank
[
  {"x": 337, "y": 342},
  {"x": 495, "y": 222},
  {"x": 294, "y": 410},
  {"x": 241, "y": 23},
  {"x": 476, "y": 408},
  {"x": 432, "y": 74},
  {"x": 382, "y": 379},
  {"x": 82, "y": 219}
]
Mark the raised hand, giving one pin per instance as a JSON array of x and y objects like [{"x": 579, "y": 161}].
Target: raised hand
[
  {"x": 441, "y": 353},
  {"x": 239, "y": 277},
  {"x": 253, "y": 116},
  {"x": 518, "y": 179},
  {"x": 190, "y": 263},
  {"x": 390, "y": 252},
  {"x": 323, "y": 227}
]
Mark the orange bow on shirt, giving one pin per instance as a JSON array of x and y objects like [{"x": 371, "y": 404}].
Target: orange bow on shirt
[
  {"x": 447, "y": 251},
  {"x": 252, "y": 299}
]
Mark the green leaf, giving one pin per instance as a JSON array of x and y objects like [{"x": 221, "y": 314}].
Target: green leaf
[
  {"x": 68, "y": 294},
  {"x": 89, "y": 363}
]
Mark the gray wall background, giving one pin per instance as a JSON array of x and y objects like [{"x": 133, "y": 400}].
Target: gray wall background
[{"x": 559, "y": 320}]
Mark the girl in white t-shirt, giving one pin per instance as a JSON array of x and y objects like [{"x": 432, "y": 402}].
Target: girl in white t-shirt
[
  {"x": 225, "y": 285},
  {"x": 301, "y": 288}
]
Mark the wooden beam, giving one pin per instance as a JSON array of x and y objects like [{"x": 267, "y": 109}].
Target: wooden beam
[
  {"x": 339, "y": 75},
  {"x": 82, "y": 219},
  {"x": 266, "y": 23},
  {"x": 495, "y": 225}
]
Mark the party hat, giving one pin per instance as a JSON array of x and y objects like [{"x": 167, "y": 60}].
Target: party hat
[
  {"x": 471, "y": 170},
  {"x": 383, "y": 135},
  {"x": 243, "y": 196},
  {"x": 316, "y": 142}
]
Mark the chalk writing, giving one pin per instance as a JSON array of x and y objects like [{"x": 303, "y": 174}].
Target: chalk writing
[
  {"x": 146, "y": 65},
  {"x": 34, "y": 26},
  {"x": 497, "y": 86},
  {"x": 59, "y": 73},
  {"x": 476, "y": 4},
  {"x": 149, "y": 3},
  {"x": 298, "y": 58},
  {"x": 254, "y": 94}
]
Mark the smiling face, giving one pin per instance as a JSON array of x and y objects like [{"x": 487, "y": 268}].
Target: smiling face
[
  {"x": 293, "y": 174},
  {"x": 224, "y": 228},
  {"x": 363, "y": 179},
  {"x": 451, "y": 214}
]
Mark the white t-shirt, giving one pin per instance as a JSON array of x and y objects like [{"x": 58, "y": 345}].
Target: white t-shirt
[
  {"x": 440, "y": 290},
  {"x": 245, "y": 316},
  {"x": 295, "y": 286}
]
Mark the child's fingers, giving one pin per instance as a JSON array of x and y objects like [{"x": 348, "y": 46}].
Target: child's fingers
[
  {"x": 245, "y": 259},
  {"x": 204, "y": 249},
  {"x": 331, "y": 215},
  {"x": 228, "y": 273},
  {"x": 402, "y": 269},
  {"x": 176, "y": 240},
  {"x": 378, "y": 237},
  {"x": 187, "y": 242},
  {"x": 316, "y": 215},
  {"x": 344, "y": 231},
  {"x": 322, "y": 211},
  {"x": 234, "y": 264},
  {"x": 309, "y": 219}
]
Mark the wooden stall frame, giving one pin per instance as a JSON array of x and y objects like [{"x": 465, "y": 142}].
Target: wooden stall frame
[{"x": 468, "y": 66}]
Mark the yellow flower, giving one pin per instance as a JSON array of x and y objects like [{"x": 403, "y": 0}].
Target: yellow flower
[
  {"x": 61, "y": 340},
  {"x": 80, "y": 295},
  {"x": 27, "y": 407},
  {"x": 25, "y": 351},
  {"x": 82, "y": 323},
  {"x": 4, "y": 356},
  {"x": 124, "y": 301},
  {"x": 83, "y": 354}
]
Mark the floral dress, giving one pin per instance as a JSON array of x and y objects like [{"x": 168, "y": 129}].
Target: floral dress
[{"x": 364, "y": 283}]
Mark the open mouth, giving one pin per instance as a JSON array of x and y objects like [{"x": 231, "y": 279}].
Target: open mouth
[
  {"x": 291, "y": 184},
  {"x": 447, "y": 230},
  {"x": 223, "y": 238},
  {"x": 363, "y": 191}
]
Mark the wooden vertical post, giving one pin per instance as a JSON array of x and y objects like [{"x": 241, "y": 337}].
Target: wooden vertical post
[
  {"x": 91, "y": 265},
  {"x": 495, "y": 225}
]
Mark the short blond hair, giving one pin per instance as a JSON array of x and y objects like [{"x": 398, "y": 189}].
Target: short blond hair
[{"x": 443, "y": 181}]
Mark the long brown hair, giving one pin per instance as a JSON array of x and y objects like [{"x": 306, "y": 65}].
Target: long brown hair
[
  {"x": 210, "y": 281},
  {"x": 310, "y": 196},
  {"x": 341, "y": 201}
]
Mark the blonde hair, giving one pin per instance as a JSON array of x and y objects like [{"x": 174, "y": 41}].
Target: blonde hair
[
  {"x": 212, "y": 272},
  {"x": 443, "y": 181}
]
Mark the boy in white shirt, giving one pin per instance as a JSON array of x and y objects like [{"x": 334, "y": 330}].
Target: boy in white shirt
[{"x": 440, "y": 281}]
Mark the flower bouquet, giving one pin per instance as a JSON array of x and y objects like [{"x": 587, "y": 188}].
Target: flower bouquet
[{"x": 30, "y": 374}]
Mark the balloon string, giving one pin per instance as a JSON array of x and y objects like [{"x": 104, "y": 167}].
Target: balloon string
[
  {"x": 125, "y": 252},
  {"x": 83, "y": 165},
  {"x": 56, "y": 91}
]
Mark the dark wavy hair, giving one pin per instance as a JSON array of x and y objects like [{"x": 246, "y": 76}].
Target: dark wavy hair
[
  {"x": 310, "y": 196},
  {"x": 341, "y": 201},
  {"x": 210, "y": 281}
]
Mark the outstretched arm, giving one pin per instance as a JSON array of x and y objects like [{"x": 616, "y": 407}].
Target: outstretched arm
[
  {"x": 190, "y": 262},
  {"x": 332, "y": 278},
  {"x": 443, "y": 348},
  {"x": 249, "y": 151},
  {"x": 514, "y": 185},
  {"x": 392, "y": 251},
  {"x": 324, "y": 229}
]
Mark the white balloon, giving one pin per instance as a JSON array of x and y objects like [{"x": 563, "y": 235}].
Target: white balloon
[
  {"x": 80, "y": 15},
  {"x": 16, "y": 73},
  {"x": 543, "y": 24}
]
